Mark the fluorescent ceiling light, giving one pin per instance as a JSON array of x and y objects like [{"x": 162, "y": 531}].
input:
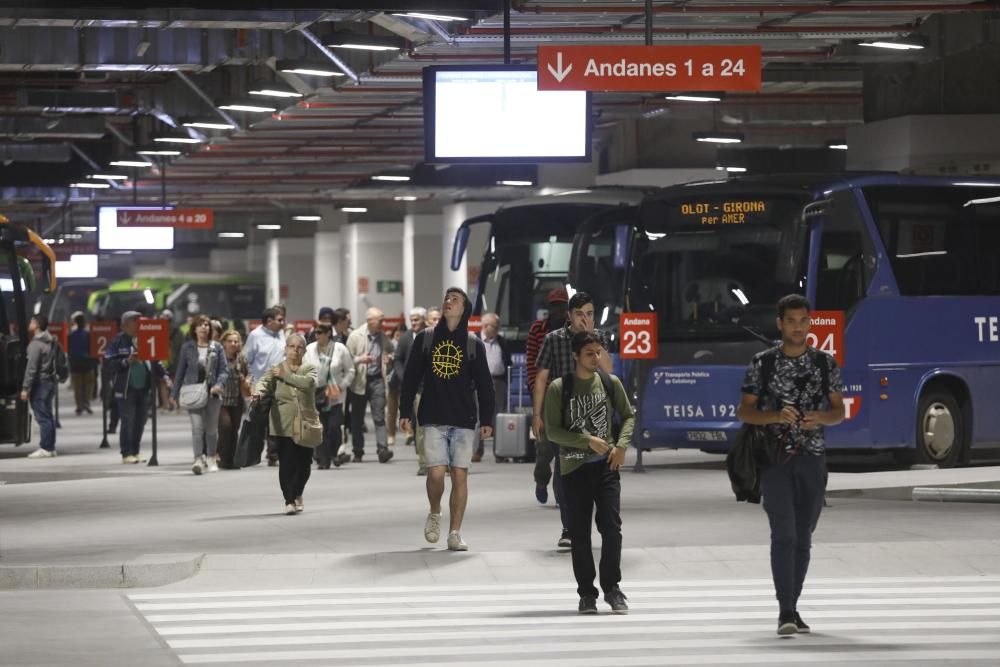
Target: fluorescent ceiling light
[
  {"x": 231, "y": 235},
  {"x": 209, "y": 124},
  {"x": 732, "y": 170},
  {"x": 354, "y": 209},
  {"x": 909, "y": 44},
  {"x": 273, "y": 89},
  {"x": 71, "y": 236},
  {"x": 978, "y": 184},
  {"x": 249, "y": 107},
  {"x": 718, "y": 137},
  {"x": 307, "y": 218},
  {"x": 92, "y": 186},
  {"x": 350, "y": 40},
  {"x": 154, "y": 151},
  {"x": 695, "y": 97},
  {"x": 131, "y": 163},
  {"x": 307, "y": 68},
  {"x": 85, "y": 228},
  {"x": 364, "y": 47},
  {"x": 176, "y": 139},
  {"x": 836, "y": 146},
  {"x": 522, "y": 183},
  {"x": 122, "y": 252},
  {"x": 432, "y": 17},
  {"x": 404, "y": 198},
  {"x": 110, "y": 177},
  {"x": 268, "y": 226},
  {"x": 388, "y": 177},
  {"x": 974, "y": 202}
]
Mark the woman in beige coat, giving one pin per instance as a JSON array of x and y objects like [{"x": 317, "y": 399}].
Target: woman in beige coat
[{"x": 294, "y": 421}]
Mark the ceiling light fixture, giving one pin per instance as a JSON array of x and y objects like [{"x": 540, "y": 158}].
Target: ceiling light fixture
[
  {"x": 131, "y": 163},
  {"x": 695, "y": 97},
  {"x": 913, "y": 43},
  {"x": 85, "y": 228},
  {"x": 836, "y": 145},
  {"x": 176, "y": 139},
  {"x": 732, "y": 170},
  {"x": 109, "y": 177},
  {"x": 307, "y": 68},
  {"x": 207, "y": 124},
  {"x": 307, "y": 218},
  {"x": 273, "y": 227},
  {"x": 718, "y": 137},
  {"x": 390, "y": 177},
  {"x": 351, "y": 40},
  {"x": 158, "y": 151},
  {"x": 516, "y": 183},
  {"x": 431, "y": 17},
  {"x": 91, "y": 186},
  {"x": 248, "y": 106},
  {"x": 273, "y": 89},
  {"x": 354, "y": 209},
  {"x": 231, "y": 235},
  {"x": 404, "y": 198}
]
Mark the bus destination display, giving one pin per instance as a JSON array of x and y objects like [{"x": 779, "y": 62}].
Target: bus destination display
[{"x": 736, "y": 212}]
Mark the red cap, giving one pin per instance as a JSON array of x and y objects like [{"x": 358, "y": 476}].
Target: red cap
[{"x": 558, "y": 295}]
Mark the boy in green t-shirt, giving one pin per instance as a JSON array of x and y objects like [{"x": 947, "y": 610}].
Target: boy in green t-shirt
[{"x": 589, "y": 461}]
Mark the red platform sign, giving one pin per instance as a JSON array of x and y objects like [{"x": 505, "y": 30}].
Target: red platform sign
[
  {"x": 640, "y": 339},
  {"x": 475, "y": 324},
  {"x": 649, "y": 68},
  {"x": 101, "y": 333},
  {"x": 304, "y": 326},
  {"x": 61, "y": 332},
  {"x": 154, "y": 339},
  {"x": 826, "y": 333},
  {"x": 179, "y": 218}
]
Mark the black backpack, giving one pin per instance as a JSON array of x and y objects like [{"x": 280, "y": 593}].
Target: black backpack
[
  {"x": 609, "y": 390},
  {"x": 60, "y": 364}
]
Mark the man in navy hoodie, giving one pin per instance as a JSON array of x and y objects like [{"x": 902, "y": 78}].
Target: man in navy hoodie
[{"x": 452, "y": 366}]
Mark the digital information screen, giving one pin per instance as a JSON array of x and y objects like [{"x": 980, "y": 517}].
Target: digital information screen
[
  {"x": 112, "y": 237},
  {"x": 724, "y": 212}
]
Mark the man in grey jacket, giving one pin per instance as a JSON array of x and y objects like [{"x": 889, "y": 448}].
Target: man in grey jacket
[{"x": 40, "y": 382}]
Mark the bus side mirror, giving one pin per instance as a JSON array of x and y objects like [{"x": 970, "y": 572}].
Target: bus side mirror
[{"x": 458, "y": 247}]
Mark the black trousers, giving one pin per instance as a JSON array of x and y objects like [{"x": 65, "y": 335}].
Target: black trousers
[
  {"x": 595, "y": 485},
  {"x": 133, "y": 408},
  {"x": 294, "y": 467},
  {"x": 332, "y": 420},
  {"x": 793, "y": 494}
]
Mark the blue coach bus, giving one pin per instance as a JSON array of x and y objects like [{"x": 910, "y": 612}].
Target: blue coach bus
[{"x": 907, "y": 266}]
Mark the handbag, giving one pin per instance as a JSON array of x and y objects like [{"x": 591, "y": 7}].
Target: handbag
[
  {"x": 310, "y": 429},
  {"x": 193, "y": 396}
]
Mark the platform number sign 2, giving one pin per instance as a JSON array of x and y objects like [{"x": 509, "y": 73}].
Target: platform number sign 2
[
  {"x": 826, "y": 333},
  {"x": 101, "y": 334},
  {"x": 154, "y": 339},
  {"x": 639, "y": 339}
]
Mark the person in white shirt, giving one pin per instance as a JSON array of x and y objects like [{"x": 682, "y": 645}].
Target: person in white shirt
[
  {"x": 335, "y": 373},
  {"x": 498, "y": 359},
  {"x": 264, "y": 349}
]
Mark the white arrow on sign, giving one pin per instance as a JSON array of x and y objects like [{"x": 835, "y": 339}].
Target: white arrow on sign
[{"x": 560, "y": 73}]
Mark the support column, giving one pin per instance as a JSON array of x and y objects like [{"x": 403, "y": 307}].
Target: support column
[
  {"x": 372, "y": 252},
  {"x": 422, "y": 257},
  {"x": 290, "y": 278},
  {"x": 328, "y": 273}
]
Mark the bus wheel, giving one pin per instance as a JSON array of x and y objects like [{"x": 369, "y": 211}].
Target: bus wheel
[{"x": 940, "y": 430}]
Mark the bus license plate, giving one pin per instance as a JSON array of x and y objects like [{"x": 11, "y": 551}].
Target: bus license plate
[{"x": 706, "y": 436}]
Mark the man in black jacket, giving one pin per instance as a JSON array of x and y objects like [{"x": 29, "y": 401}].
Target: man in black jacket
[
  {"x": 498, "y": 359},
  {"x": 452, "y": 366},
  {"x": 418, "y": 321}
]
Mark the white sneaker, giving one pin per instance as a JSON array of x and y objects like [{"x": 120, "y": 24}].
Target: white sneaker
[
  {"x": 197, "y": 466},
  {"x": 432, "y": 529},
  {"x": 456, "y": 543},
  {"x": 42, "y": 454},
  {"x": 300, "y": 505},
  {"x": 213, "y": 465},
  {"x": 289, "y": 508}
]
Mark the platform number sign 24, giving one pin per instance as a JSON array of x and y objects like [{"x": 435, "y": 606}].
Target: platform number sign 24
[
  {"x": 639, "y": 336},
  {"x": 826, "y": 333},
  {"x": 154, "y": 339}
]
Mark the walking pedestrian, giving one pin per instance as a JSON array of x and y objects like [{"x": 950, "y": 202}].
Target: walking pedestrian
[
  {"x": 451, "y": 364},
  {"x": 294, "y": 423},
  {"x": 202, "y": 368},
  {"x": 341, "y": 323},
  {"x": 418, "y": 322},
  {"x": 82, "y": 366},
  {"x": 555, "y": 319},
  {"x": 367, "y": 346},
  {"x": 555, "y": 360},
  {"x": 793, "y": 391},
  {"x": 579, "y": 418},
  {"x": 131, "y": 383},
  {"x": 236, "y": 389},
  {"x": 433, "y": 317},
  {"x": 392, "y": 389},
  {"x": 334, "y": 374},
  {"x": 41, "y": 381},
  {"x": 265, "y": 348},
  {"x": 499, "y": 360}
]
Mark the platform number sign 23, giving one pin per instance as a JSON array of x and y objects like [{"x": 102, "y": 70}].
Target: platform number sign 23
[
  {"x": 826, "y": 333},
  {"x": 639, "y": 336},
  {"x": 154, "y": 339}
]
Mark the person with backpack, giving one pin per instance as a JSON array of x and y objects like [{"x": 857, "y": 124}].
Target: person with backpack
[
  {"x": 457, "y": 394},
  {"x": 46, "y": 367},
  {"x": 793, "y": 391},
  {"x": 583, "y": 411}
]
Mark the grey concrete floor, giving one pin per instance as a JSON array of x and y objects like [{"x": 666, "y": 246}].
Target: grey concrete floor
[{"x": 362, "y": 531}]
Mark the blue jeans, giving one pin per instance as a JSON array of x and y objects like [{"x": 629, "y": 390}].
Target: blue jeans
[
  {"x": 448, "y": 446},
  {"x": 41, "y": 404},
  {"x": 133, "y": 407}
]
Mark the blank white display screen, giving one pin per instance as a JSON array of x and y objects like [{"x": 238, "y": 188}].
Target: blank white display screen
[
  {"x": 112, "y": 237},
  {"x": 501, "y": 114}
]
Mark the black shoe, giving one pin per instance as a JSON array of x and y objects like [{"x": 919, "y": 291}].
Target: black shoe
[
  {"x": 564, "y": 541},
  {"x": 384, "y": 455},
  {"x": 588, "y": 604},
  {"x": 322, "y": 466},
  {"x": 800, "y": 625},
  {"x": 786, "y": 623},
  {"x": 272, "y": 463},
  {"x": 617, "y": 601},
  {"x": 358, "y": 457},
  {"x": 88, "y": 411}
]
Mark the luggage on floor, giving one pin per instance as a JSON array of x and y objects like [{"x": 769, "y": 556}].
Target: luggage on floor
[{"x": 511, "y": 433}]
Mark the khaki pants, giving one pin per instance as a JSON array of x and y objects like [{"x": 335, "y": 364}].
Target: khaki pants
[
  {"x": 392, "y": 411},
  {"x": 84, "y": 386}
]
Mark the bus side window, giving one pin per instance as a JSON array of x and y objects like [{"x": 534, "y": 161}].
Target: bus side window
[{"x": 845, "y": 263}]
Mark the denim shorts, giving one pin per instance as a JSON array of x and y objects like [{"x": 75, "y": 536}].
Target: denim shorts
[{"x": 448, "y": 446}]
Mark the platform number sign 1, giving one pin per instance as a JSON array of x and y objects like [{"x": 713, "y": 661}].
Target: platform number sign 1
[
  {"x": 154, "y": 339},
  {"x": 639, "y": 339},
  {"x": 101, "y": 334},
  {"x": 826, "y": 333}
]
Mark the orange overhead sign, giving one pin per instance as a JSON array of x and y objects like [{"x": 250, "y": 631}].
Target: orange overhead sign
[
  {"x": 179, "y": 218},
  {"x": 649, "y": 68}
]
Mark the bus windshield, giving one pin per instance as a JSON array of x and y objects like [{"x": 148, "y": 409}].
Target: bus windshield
[{"x": 713, "y": 267}]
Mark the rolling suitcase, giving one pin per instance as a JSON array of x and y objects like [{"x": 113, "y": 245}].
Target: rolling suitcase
[{"x": 511, "y": 437}]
